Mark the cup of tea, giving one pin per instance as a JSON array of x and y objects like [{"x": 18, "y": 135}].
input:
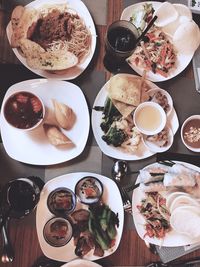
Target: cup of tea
[{"x": 120, "y": 42}]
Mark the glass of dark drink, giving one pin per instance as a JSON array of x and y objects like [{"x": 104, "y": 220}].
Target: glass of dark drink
[
  {"x": 120, "y": 42},
  {"x": 21, "y": 196}
]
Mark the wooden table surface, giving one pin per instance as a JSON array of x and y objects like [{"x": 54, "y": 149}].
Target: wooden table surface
[{"x": 132, "y": 250}]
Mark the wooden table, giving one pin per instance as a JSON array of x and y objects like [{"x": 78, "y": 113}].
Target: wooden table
[{"x": 132, "y": 250}]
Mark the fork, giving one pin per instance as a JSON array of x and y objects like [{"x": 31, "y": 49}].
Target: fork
[{"x": 126, "y": 200}]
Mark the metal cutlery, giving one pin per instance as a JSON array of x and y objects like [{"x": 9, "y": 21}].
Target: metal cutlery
[{"x": 126, "y": 200}]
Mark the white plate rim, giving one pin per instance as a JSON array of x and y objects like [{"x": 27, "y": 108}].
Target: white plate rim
[
  {"x": 80, "y": 68},
  {"x": 172, "y": 239},
  {"x": 183, "y": 60},
  {"x": 113, "y": 152},
  {"x": 78, "y": 262},
  {"x": 5, "y": 128},
  {"x": 43, "y": 214}
]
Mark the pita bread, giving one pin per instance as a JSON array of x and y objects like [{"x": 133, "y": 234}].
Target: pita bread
[
  {"x": 125, "y": 90},
  {"x": 123, "y": 108}
]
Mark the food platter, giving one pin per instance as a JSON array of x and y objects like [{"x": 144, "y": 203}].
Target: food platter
[
  {"x": 80, "y": 262},
  {"x": 172, "y": 238},
  {"x": 111, "y": 196},
  {"x": 33, "y": 147},
  {"x": 182, "y": 59},
  {"x": 115, "y": 152},
  {"x": 75, "y": 71}
]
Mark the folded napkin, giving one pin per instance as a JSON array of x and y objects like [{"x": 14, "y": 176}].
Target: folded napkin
[{"x": 193, "y": 159}]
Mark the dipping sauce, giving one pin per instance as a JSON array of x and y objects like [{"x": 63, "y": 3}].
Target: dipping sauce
[
  {"x": 149, "y": 118},
  {"x": 23, "y": 110},
  {"x": 89, "y": 190},
  {"x": 121, "y": 39},
  {"x": 191, "y": 133},
  {"x": 61, "y": 201},
  {"x": 58, "y": 232}
]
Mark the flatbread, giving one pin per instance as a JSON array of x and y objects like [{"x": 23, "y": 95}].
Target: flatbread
[
  {"x": 125, "y": 89},
  {"x": 123, "y": 108}
]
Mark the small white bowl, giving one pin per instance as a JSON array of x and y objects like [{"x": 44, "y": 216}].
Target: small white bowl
[
  {"x": 23, "y": 108},
  {"x": 188, "y": 123},
  {"x": 152, "y": 92},
  {"x": 154, "y": 146},
  {"x": 149, "y": 118}
]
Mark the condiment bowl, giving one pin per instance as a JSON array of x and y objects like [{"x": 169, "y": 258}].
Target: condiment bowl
[
  {"x": 23, "y": 110},
  {"x": 190, "y": 133},
  {"x": 58, "y": 231},
  {"x": 61, "y": 201},
  {"x": 149, "y": 118},
  {"x": 89, "y": 190}
]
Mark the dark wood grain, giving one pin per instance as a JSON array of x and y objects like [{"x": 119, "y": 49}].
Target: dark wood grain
[{"x": 132, "y": 250}]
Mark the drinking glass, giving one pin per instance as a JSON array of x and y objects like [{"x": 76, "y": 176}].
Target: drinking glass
[{"x": 120, "y": 42}]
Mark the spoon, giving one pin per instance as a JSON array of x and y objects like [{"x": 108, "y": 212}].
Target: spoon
[
  {"x": 7, "y": 252},
  {"x": 120, "y": 170}
]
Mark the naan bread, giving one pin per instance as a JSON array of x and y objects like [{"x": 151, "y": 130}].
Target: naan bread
[
  {"x": 38, "y": 58},
  {"x": 125, "y": 89}
]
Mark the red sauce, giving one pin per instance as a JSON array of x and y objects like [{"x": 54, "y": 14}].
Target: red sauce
[
  {"x": 191, "y": 133},
  {"x": 23, "y": 110}
]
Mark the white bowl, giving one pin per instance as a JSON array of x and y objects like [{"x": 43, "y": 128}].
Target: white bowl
[
  {"x": 32, "y": 102},
  {"x": 187, "y": 144},
  {"x": 149, "y": 118},
  {"x": 151, "y": 92},
  {"x": 154, "y": 146}
]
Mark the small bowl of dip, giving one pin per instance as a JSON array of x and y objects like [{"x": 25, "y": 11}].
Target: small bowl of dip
[
  {"x": 190, "y": 133},
  {"x": 58, "y": 231},
  {"x": 149, "y": 118},
  {"x": 24, "y": 110}
]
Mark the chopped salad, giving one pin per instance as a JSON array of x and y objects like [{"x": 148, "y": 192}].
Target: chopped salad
[
  {"x": 156, "y": 54},
  {"x": 153, "y": 209}
]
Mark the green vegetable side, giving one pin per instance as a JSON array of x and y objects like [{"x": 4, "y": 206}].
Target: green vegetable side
[
  {"x": 112, "y": 135},
  {"x": 102, "y": 224},
  {"x": 142, "y": 16}
]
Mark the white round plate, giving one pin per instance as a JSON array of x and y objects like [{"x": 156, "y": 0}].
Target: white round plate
[
  {"x": 80, "y": 262},
  {"x": 118, "y": 153},
  {"x": 33, "y": 147},
  {"x": 111, "y": 196},
  {"x": 171, "y": 239},
  {"x": 182, "y": 60},
  {"x": 83, "y": 12}
]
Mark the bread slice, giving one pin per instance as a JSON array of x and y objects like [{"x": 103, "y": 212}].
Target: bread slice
[{"x": 38, "y": 58}]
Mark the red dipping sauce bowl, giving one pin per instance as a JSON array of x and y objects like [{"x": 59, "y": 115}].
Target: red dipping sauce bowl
[{"x": 24, "y": 110}]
